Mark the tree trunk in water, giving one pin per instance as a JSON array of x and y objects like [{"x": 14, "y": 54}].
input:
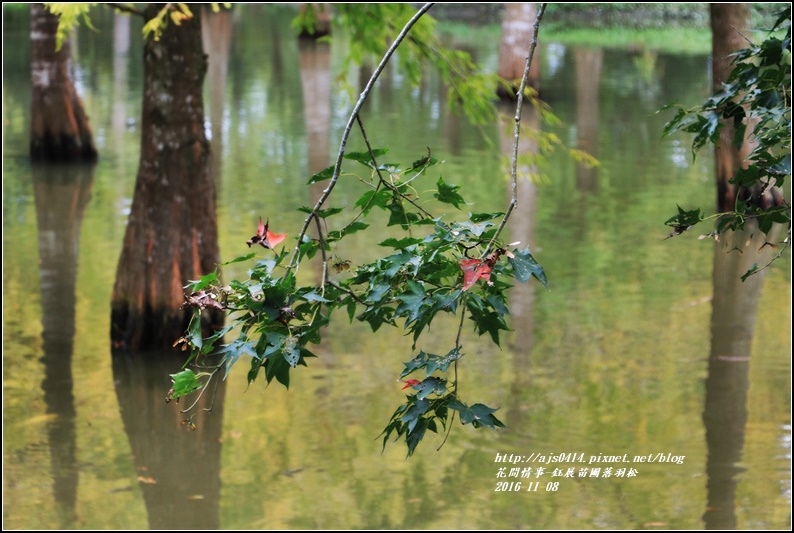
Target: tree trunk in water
[
  {"x": 516, "y": 37},
  {"x": 172, "y": 234},
  {"x": 59, "y": 129}
]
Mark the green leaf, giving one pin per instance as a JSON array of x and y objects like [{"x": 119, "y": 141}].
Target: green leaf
[
  {"x": 240, "y": 259},
  {"x": 482, "y": 217},
  {"x": 203, "y": 282},
  {"x": 364, "y": 157},
  {"x": 411, "y": 301},
  {"x": 233, "y": 351},
  {"x": 448, "y": 193},
  {"x": 322, "y": 213},
  {"x": 485, "y": 319},
  {"x": 478, "y": 415},
  {"x": 431, "y": 385},
  {"x": 374, "y": 198},
  {"x": 430, "y": 362},
  {"x": 401, "y": 244},
  {"x": 347, "y": 230},
  {"x": 324, "y": 174},
  {"x": 525, "y": 266},
  {"x": 185, "y": 382},
  {"x": 415, "y": 412}
]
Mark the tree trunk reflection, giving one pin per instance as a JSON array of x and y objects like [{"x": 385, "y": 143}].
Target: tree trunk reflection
[
  {"x": 61, "y": 194},
  {"x": 178, "y": 469},
  {"x": 734, "y": 308}
]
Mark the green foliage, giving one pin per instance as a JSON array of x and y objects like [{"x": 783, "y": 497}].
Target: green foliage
[
  {"x": 371, "y": 26},
  {"x": 437, "y": 268},
  {"x": 758, "y": 91},
  {"x": 69, "y": 15}
]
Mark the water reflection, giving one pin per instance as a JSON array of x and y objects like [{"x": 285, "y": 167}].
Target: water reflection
[
  {"x": 588, "y": 116},
  {"x": 178, "y": 469},
  {"x": 522, "y": 229},
  {"x": 216, "y": 36},
  {"x": 734, "y": 311},
  {"x": 587, "y": 368},
  {"x": 61, "y": 193}
]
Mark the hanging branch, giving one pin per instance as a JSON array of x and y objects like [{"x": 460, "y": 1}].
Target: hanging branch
[
  {"x": 353, "y": 117},
  {"x": 516, "y": 132}
]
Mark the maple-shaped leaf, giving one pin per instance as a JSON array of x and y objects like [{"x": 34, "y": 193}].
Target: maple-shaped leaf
[
  {"x": 265, "y": 237},
  {"x": 474, "y": 269}
]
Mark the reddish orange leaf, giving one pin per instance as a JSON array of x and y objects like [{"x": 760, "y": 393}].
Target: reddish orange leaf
[
  {"x": 271, "y": 239},
  {"x": 411, "y": 383},
  {"x": 474, "y": 269},
  {"x": 265, "y": 237}
]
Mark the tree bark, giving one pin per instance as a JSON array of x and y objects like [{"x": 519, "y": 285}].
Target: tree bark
[
  {"x": 172, "y": 234},
  {"x": 729, "y": 29},
  {"x": 516, "y": 37},
  {"x": 59, "y": 129}
]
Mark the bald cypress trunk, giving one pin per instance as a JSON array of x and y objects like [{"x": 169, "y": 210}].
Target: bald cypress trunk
[
  {"x": 171, "y": 235},
  {"x": 59, "y": 129}
]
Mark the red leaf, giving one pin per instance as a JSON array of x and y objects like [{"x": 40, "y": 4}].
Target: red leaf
[
  {"x": 411, "y": 383},
  {"x": 273, "y": 240},
  {"x": 265, "y": 237},
  {"x": 474, "y": 269}
]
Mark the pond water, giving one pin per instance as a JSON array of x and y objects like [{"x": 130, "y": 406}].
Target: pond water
[{"x": 643, "y": 348}]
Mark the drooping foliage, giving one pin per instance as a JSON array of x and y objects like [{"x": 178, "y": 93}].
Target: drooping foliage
[
  {"x": 436, "y": 265},
  {"x": 757, "y": 96}
]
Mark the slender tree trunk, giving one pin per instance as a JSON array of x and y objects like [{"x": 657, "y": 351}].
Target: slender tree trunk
[
  {"x": 172, "y": 234},
  {"x": 729, "y": 30},
  {"x": 59, "y": 129},
  {"x": 516, "y": 37},
  {"x": 729, "y": 25}
]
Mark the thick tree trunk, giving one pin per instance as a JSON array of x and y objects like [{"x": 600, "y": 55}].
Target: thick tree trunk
[
  {"x": 172, "y": 234},
  {"x": 516, "y": 37},
  {"x": 59, "y": 129}
]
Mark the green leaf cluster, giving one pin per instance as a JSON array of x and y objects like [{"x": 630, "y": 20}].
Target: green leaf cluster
[
  {"x": 418, "y": 277},
  {"x": 758, "y": 92}
]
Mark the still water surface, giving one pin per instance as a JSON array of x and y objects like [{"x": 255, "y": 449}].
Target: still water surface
[{"x": 635, "y": 350}]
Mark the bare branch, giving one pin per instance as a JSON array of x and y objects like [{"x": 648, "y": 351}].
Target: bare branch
[
  {"x": 126, "y": 8},
  {"x": 514, "y": 161},
  {"x": 353, "y": 116}
]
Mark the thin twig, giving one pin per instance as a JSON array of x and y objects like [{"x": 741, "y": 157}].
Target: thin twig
[
  {"x": 126, "y": 9},
  {"x": 348, "y": 291},
  {"x": 353, "y": 115},
  {"x": 385, "y": 183},
  {"x": 516, "y": 133},
  {"x": 203, "y": 390}
]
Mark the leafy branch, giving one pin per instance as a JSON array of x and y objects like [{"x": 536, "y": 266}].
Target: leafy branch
[
  {"x": 756, "y": 97},
  {"x": 435, "y": 268}
]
